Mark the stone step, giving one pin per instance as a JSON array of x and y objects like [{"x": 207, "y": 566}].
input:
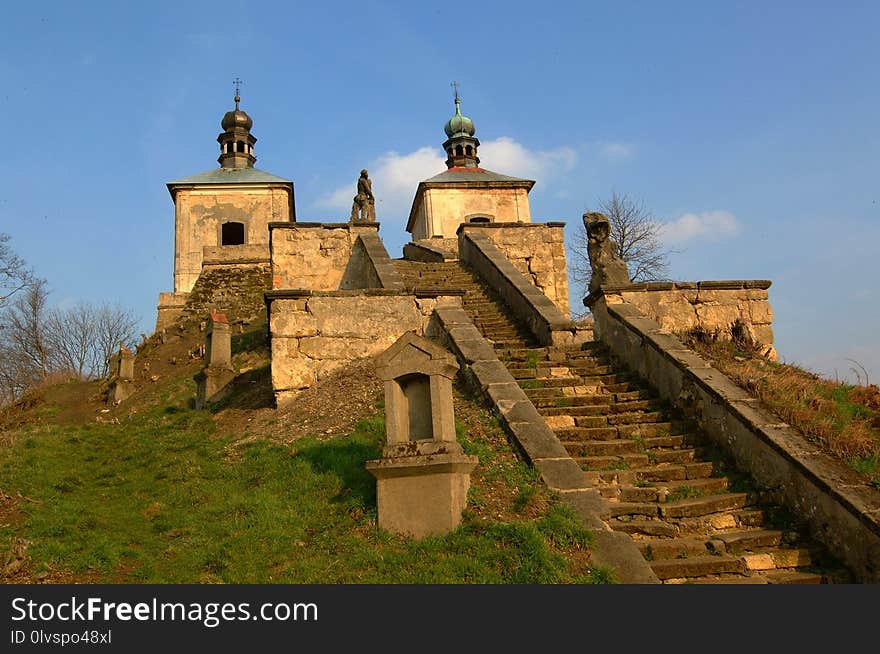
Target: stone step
[
  {"x": 659, "y": 491},
  {"x": 663, "y": 441},
  {"x": 742, "y": 541},
  {"x": 617, "y": 509},
  {"x": 671, "y": 455},
  {"x": 586, "y": 352},
  {"x": 591, "y": 422},
  {"x": 696, "y": 566},
  {"x": 700, "y": 506},
  {"x": 550, "y": 382},
  {"x": 652, "y": 429},
  {"x": 571, "y": 401},
  {"x": 751, "y": 517},
  {"x": 598, "y": 409},
  {"x": 630, "y": 493},
  {"x": 778, "y": 558},
  {"x": 581, "y": 434},
  {"x": 636, "y": 417},
  {"x": 622, "y": 461},
  {"x": 657, "y": 528},
  {"x": 706, "y": 485},
  {"x": 577, "y": 387},
  {"x": 656, "y": 549},
  {"x": 589, "y": 448},
  {"x": 673, "y": 472}
]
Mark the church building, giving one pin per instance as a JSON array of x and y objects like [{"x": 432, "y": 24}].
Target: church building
[{"x": 465, "y": 192}]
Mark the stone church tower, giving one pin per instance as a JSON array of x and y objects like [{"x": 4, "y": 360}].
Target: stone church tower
[
  {"x": 227, "y": 211},
  {"x": 222, "y": 216},
  {"x": 465, "y": 193}
]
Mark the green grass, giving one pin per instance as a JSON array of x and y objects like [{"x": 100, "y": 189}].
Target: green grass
[
  {"x": 159, "y": 499},
  {"x": 684, "y": 492}
]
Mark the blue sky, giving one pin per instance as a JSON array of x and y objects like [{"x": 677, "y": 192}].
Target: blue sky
[{"x": 751, "y": 128}]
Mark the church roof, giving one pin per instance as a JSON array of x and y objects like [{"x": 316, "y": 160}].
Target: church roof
[
  {"x": 230, "y": 176},
  {"x": 473, "y": 174}
]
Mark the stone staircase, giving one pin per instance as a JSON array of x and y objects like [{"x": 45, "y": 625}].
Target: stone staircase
[
  {"x": 692, "y": 515},
  {"x": 482, "y": 305}
]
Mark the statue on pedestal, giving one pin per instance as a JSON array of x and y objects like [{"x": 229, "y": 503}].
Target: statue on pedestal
[{"x": 363, "y": 208}]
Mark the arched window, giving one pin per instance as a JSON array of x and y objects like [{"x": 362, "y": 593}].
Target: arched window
[
  {"x": 239, "y": 146},
  {"x": 479, "y": 219},
  {"x": 458, "y": 150},
  {"x": 232, "y": 234},
  {"x": 469, "y": 150}
]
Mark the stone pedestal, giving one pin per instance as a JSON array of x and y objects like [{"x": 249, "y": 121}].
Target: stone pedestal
[
  {"x": 423, "y": 476},
  {"x": 212, "y": 385},
  {"x": 213, "y": 380},
  {"x": 121, "y": 376},
  {"x": 422, "y": 495}
]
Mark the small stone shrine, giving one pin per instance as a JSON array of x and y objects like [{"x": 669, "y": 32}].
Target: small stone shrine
[
  {"x": 121, "y": 376},
  {"x": 423, "y": 476},
  {"x": 213, "y": 380}
]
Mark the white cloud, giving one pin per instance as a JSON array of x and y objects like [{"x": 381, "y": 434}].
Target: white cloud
[
  {"x": 617, "y": 151},
  {"x": 506, "y": 156},
  {"x": 711, "y": 225},
  {"x": 395, "y": 176}
]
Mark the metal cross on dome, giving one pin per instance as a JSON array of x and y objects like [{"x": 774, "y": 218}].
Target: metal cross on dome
[{"x": 454, "y": 85}]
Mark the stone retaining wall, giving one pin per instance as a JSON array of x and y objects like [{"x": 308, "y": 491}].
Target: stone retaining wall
[
  {"x": 213, "y": 254},
  {"x": 315, "y": 333},
  {"x": 842, "y": 510},
  {"x": 537, "y": 250},
  {"x": 378, "y": 271},
  {"x": 322, "y": 256},
  {"x": 529, "y": 304},
  {"x": 536, "y": 442},
  {"x": 712, "y": 306},
  {"x": 169, "y": 309},
  {"x": 427, "y": 252}
]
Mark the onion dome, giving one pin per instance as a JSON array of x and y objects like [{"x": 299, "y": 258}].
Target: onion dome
[
  {"x": 459, "y": 124},
  {"x": 237, "y": 118}
]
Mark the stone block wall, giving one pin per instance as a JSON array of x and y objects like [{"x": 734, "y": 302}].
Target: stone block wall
[
  {"x": 537, "y": 250},
  {"x": 531, "y": 307},
  {"x": 201, "y": 211},
  {"x": 843, "y": 510},
  {"x": 315, "y": 333},
  {"x": 234, "y": 289},
  {"x": 713, "y": 306},
  {"x": 323, "y": 256},
  {"x": 169, "y": 309},
  {"x": 235, "y": 254}
]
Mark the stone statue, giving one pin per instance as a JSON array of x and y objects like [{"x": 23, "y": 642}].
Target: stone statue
[
  {"x": 608, "y": 268},
  {"x": 364, "y": 206}
]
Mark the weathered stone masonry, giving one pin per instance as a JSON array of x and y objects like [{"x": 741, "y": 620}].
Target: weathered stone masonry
[{"x": 843, "y": 511}]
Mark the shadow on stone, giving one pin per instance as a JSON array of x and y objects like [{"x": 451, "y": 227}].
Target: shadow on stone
[{"x": 249, "y": 390}]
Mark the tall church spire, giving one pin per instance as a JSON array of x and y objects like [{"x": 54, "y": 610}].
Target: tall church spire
[
  {"x": 236, "y": 141},
  {"x": 461, "y": 144}
]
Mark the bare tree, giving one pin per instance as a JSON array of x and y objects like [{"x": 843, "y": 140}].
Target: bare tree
[
  {"x": 83, "y": 337},
  {"x": 637, "y": 234},
  {"x": 37, "y": 343},
  {"x": 23, "y": 327},
  {"x": 15, "y": 275},
  {"x": 114, "y": 326},
  {"x": 71, "y": 335}
]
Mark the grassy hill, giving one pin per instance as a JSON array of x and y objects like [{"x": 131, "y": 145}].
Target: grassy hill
[{"x": 153, "y": 491}]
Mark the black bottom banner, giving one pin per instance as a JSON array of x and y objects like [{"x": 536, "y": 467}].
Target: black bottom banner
[{"x": 405, "y": 618}]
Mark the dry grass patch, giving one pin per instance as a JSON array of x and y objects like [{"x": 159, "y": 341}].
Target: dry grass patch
[{"x": 843, "y": 419}]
